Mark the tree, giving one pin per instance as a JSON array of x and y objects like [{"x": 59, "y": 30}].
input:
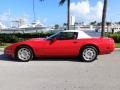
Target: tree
[
  {"x": 93, "y": 23},
  {"x": 108, "y": 23},
  {"x": 68, "y": 12},
  {"x": 104, "y": 18},
  {"x": 56, "y": 26}
]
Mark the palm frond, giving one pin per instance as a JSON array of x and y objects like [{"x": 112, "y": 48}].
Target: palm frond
[
  {"x": 62, "y": 2},
  {"x": 41, "y": 0}
]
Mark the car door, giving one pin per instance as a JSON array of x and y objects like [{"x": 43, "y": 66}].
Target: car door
[{"x": 63, "y": 45}]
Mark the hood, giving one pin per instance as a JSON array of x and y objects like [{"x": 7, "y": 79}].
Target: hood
[
  {"x": 31, "y": 42},
  {"x": 34, "y": 40}
]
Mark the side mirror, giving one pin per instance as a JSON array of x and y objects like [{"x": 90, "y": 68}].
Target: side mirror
[{"x": 54, "y": 39}]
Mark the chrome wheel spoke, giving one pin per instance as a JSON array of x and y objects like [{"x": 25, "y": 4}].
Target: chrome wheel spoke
[
  {"x": 24, "y": 54},
  {"x": 89, "y": 54}
]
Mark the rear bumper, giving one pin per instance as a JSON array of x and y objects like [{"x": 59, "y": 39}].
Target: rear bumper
[
  {"x": 107, "y": 50},
  {"x": 108, "y": 47}
]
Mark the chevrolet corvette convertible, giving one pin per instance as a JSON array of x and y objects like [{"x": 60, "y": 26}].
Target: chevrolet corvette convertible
[{"x": 68, "y": 43}]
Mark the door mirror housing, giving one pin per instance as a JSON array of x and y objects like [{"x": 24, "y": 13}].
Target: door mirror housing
[{"x": 54, "y": 39}]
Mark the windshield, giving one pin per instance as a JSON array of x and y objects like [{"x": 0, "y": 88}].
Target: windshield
[{"x": 64, "y": 36}]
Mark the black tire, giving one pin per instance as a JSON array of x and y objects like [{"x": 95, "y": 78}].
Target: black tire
[
  {"x": 88, "y": 54},
  {"x": 24, "y": 54}
]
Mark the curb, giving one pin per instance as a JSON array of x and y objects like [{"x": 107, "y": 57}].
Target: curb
[
  {"x": 2, "y": 49},
  {"x": 117, "y": 49}
]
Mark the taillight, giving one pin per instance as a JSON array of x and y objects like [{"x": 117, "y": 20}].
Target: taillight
[{"x": 112, "y": 43}]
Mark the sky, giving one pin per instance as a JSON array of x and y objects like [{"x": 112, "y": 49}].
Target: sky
[{"x": 50, "y": 12}]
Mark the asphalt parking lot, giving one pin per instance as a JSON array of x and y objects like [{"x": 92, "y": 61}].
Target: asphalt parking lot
[{"x": 61, "y": 74}]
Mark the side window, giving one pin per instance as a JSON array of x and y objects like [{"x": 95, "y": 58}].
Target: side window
[
  {"x": 75, "y": 35},
  {"x": 67, "y": 35}
]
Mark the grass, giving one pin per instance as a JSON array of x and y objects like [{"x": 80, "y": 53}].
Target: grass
[
  {"x": 3, "y": 45},
  {"x": 117, "y": 45}
]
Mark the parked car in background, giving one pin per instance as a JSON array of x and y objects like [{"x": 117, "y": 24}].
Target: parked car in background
[{"x": 69, "y": 43}]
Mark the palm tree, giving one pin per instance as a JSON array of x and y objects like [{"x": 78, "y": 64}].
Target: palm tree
[
  {"x": 104, "y": 18},
  {"x": 68, "y": 14}
]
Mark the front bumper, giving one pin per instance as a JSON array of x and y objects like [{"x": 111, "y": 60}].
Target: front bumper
[{"x": 9, "y": 52}]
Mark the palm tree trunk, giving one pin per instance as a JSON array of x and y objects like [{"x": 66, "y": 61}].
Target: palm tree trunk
[
  {"x": 68, "y": 17},
  {"x": 104, "y": 18}
]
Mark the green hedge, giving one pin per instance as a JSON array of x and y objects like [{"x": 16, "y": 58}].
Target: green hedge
[
  {"x": 16, "y": 37},
  {"x": 115, "y": 36}
]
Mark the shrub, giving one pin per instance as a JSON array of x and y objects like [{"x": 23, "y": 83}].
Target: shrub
[
  {"x": 115, "y": 36},
  {"x": 16, "y": 37},
  {"x": 9, "y": 39}
]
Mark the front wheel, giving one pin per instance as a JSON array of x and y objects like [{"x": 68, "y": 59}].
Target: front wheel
[
  {"x": 88, "y": 54},
  {"x": 24, "y": 54}
]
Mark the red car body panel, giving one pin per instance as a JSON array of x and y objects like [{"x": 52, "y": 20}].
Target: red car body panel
[{"x": 63, "y": 48}]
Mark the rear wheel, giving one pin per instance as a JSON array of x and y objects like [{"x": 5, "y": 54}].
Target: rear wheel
[
  {"x": 24, "y": 54},
  {"x": 88, "y": 54}
]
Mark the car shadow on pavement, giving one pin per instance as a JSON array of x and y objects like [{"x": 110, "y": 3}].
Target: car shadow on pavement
[
  {"x": 6, "y": 58},
  {"x": 57, "y": 59}
]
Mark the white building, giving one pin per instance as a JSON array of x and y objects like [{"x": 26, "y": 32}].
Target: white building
[
  {"x": 115, "y": 27},
  {"x": 2, "y": 26},
  {"x": 72, "y": 20},
  {"x": 111, "y": 28}
]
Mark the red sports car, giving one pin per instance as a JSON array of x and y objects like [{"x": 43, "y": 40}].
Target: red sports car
[{"x": 69, "y": 43}]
